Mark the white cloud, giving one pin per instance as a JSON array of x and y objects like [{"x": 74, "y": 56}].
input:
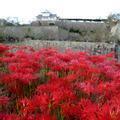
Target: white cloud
[{"x": 26, "y": 9}]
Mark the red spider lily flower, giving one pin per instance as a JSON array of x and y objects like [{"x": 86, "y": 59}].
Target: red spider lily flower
[
  {"x": 24, "y": 79},
  {"x": 88, "y": 110},
  {"x": 28, "y": 78},
  {"x": 59, "y": 97},
  {"x": 41, "y": 102},
  {"x": 86, "y": 87},
  {"x": 52, "y": 75},
  {"x": 107, "y": 89},
  {"x": 43, "y": 89},
  {"x": 4, "y": 100},
  {"x": 70, "y": 111},
  {"x": 71, "y": 77},
  {"x": 3, "y": 48},
  {"x": 10, "y": 117},
  {"x": 47, "y": 117},
  {"x": 26, "y": 106}
]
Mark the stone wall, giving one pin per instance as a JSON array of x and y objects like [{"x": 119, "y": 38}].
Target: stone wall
[
  {"x": 84, "y": 31},
  {"x": 35, "y": 32},
  {"x": 92, "y": 47},
  {"x": 68, "y": 31}
]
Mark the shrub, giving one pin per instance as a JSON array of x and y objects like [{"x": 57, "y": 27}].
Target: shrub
[{"x": 2, "y": 38}]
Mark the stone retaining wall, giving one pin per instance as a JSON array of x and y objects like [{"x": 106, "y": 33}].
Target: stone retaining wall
[{"x": 35, "y": 32}]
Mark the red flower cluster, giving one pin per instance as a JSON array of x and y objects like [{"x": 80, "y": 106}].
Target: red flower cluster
[{"x": 49, "y": 85}]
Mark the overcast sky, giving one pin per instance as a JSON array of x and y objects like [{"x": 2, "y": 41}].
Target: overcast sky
[{"x": 28, "y": 9}]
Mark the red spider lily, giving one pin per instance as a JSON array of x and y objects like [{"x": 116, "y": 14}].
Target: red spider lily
[
  {"x": 71, "y": 111},
  {"x": 3, "y": 48},
  {"x": 48, "y": 85},
  {"x": 86, "y": 87},
  {"x": 4, "y": 100},
  {"x": 47, "y": 117},
  {"x": 9, "y": 117},
  {"x": 41, "y": 102},
  {"x": 26, "y": 106},
  {"x": 52, "y": 75}
]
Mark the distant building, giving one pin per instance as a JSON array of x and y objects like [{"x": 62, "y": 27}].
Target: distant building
[{"x": 47, "y": 16}]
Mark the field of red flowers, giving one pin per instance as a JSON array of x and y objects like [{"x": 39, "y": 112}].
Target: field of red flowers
[{"x": 46, "y": 84}]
